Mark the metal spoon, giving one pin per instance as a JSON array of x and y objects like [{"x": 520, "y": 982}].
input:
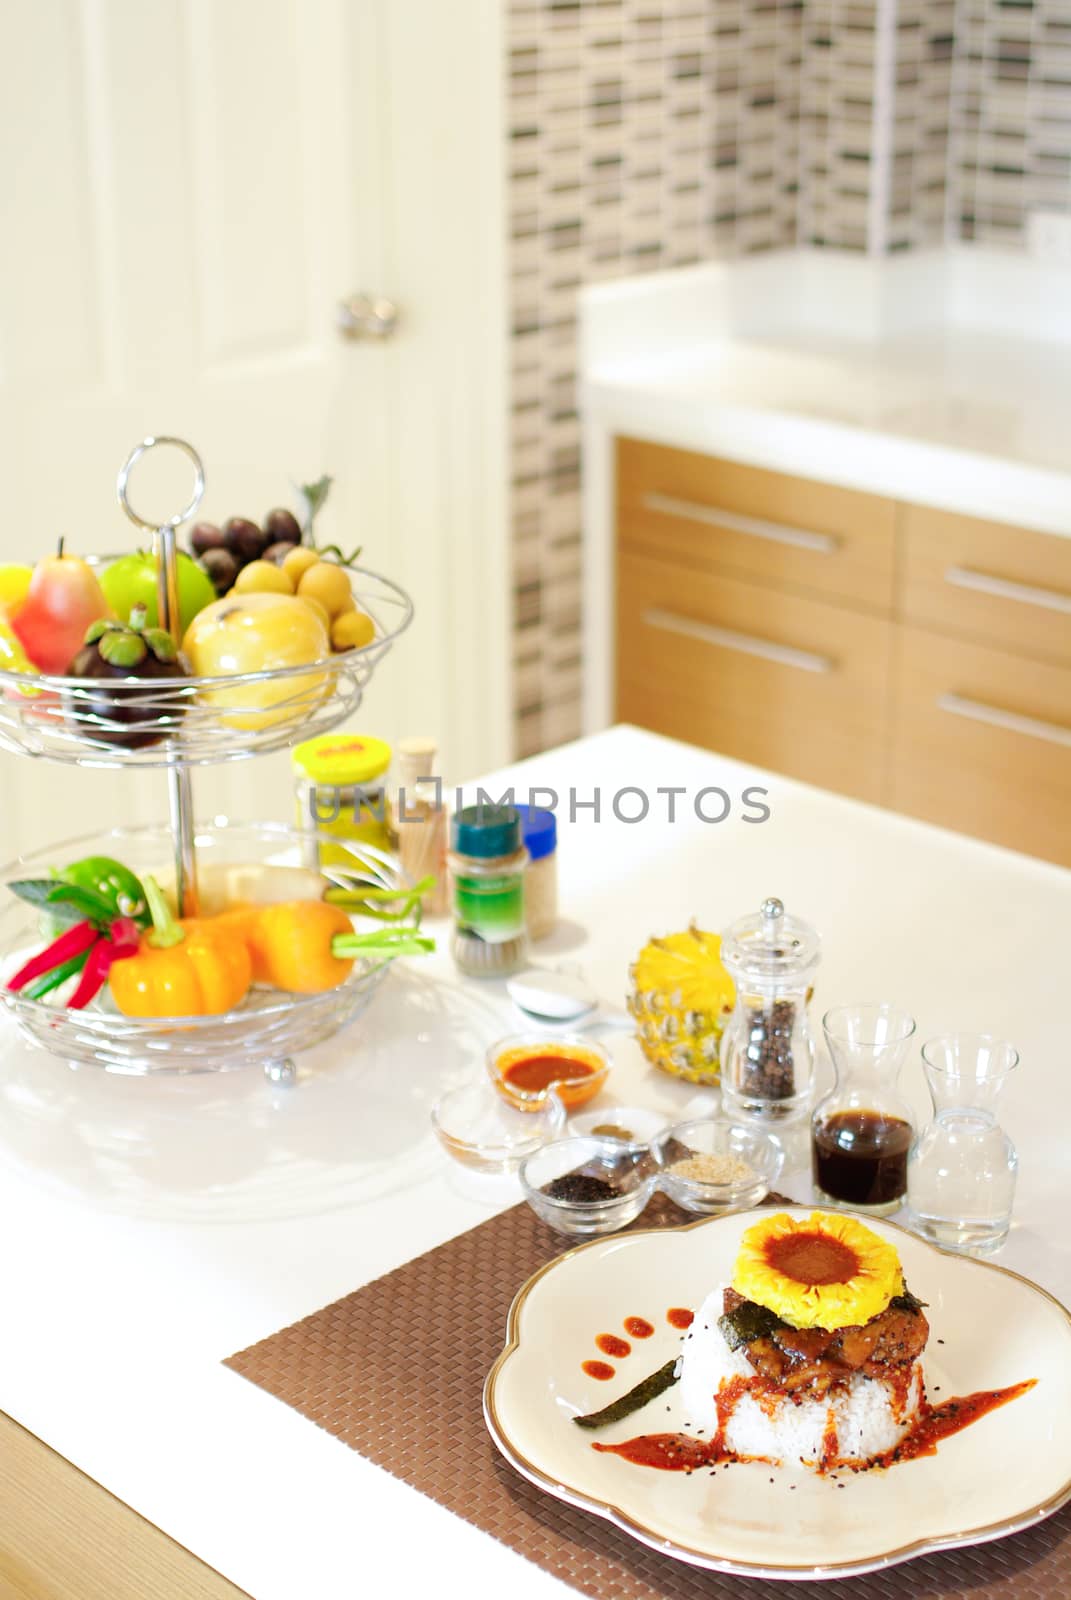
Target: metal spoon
[{"x": 553, "y": 999}]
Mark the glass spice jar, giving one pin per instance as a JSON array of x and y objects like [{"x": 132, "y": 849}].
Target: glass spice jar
[
  {"x": 418, "y": 820},
  {"x": 340, "y": 791},
  {"x": 767, "y": 1049},
  {"x": 487, "y": 867},
  {"x": 540, "y": 831}
]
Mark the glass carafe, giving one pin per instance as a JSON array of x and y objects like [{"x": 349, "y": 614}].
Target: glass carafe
[
  {"x": 767, "y": 1051},
  {"x": 862, "y": 1131},
  {"x": 961, "y": 1176}
]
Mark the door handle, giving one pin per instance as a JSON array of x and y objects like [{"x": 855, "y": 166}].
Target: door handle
[{"x": 366, "y": 316}]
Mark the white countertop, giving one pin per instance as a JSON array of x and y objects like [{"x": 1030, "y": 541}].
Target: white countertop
[
  {"x": 155, "y": 1227},
  {"x": 941, "y": 378}
]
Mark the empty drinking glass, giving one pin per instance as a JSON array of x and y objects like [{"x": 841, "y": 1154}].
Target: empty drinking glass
[{"x": 961, "y": 1173}]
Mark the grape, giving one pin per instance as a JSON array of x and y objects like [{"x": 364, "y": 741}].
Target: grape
[
  {"x": 222, "y": 567},
  {"x": 278, "y": 552},
  {"x": 282, "y": 527},
  {"x": 244, "y": 539},
  {"x": 205, "y": 536}
]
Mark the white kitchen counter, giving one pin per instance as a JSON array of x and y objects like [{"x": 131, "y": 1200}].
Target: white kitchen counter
[
  {"x": 154, "y": 1227},
  {"x": 942, "y": 378}
]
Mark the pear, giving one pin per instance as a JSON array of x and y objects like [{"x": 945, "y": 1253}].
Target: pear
[{"x": 63, "y": 599}]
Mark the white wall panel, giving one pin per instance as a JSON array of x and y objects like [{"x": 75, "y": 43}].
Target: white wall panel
[
  {"x": 48, "y": 290},
  {"x": 253, "y": 227}
]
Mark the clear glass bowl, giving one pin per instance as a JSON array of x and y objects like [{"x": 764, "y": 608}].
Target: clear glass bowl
[
  {"x": 716, "y": 1136},
  {"x": 637, "y": 1122},
  {"x": 267, "y": 1029},
  {"x": 476, "y": 1126},
  {"x": 199, "y": 721},
  {"x": 628, "y": 1167},
  {"x": 572, "y": 1091}
]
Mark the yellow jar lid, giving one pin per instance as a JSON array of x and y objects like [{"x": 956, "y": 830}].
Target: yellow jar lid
[{"x": 341, "y": 758}]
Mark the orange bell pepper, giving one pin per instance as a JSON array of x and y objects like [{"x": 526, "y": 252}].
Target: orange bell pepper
[
  {"x": 308, "y": 946},
  {"x": 190, "y": 968},
  {"x": 291, "y": 946}
]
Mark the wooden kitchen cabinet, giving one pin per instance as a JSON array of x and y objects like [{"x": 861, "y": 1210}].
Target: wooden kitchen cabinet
[
  {"x": 791, "y": 532},
  {"x": 783, "y": 680},
  {"x": 900, "y": 654},
  {"x": 1003, "y": 586},
  {"x": 982, "y": 742}
]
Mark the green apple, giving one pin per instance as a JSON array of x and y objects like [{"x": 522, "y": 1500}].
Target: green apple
[{"x": 131, "y": 581}]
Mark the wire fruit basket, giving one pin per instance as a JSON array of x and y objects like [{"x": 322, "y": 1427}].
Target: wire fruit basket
[
  {"x": 268, "y": 1028},
  {"x": 178, "y": 724},
  {"x": 205, "y": 721}
]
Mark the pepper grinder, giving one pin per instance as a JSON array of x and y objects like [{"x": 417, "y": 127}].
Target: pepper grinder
[{"x": 767, "y": 1050}]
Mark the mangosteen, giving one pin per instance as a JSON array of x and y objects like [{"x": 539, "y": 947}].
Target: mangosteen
[{"x": 130, "y": 654}]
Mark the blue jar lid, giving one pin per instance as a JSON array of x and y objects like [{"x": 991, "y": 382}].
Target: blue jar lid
[
  {"x": 484, "y": 832},
  {"x": 540, "y": 831}
]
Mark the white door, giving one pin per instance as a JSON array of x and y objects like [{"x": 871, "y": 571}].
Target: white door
[{"x": 188, "y": 188}]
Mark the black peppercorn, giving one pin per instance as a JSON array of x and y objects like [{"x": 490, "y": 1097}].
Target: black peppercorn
[{"x": 581, "y": 1188}]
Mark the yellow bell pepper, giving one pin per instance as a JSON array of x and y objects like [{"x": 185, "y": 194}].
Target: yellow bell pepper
[
  {"x": 190, "y": 968},
  {"x": 13, "y": 657}
]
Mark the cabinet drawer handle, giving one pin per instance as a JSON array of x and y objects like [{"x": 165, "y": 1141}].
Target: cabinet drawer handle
[
  {"x": 777, "y": 532},
  {"x": 744, "y": 643},
  {"x": 1009, "y": 721},
  {"x": 1004, "y": 589}
]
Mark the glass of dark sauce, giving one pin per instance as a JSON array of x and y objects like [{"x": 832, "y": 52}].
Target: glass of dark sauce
[{"x": 862, "y": 1132}]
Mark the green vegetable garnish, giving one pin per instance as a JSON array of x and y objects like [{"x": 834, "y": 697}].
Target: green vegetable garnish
[
  {"x": 649, "y": 1389},
  {"x": 748, "y": 1321}
]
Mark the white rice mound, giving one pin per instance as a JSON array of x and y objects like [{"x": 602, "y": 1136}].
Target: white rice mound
[{"x": 865, "y": 1413}]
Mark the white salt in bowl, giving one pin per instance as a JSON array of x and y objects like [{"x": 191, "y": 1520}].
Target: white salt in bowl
[{"x": 722, "y": 1140}]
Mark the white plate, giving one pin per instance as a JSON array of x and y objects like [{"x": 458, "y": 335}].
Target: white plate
[{"x": 1001, "y": 1474}]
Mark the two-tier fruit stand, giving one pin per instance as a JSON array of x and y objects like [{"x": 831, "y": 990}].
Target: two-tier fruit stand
[{"x": 191, "y": 722}]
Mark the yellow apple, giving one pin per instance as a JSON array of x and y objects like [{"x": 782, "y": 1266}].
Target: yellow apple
[{"x": 259, "y": 633}]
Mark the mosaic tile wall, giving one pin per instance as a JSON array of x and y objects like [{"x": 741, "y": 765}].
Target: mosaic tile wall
[
  {"x": 643, "y": 134},
  {"x": 655, "y": 133},
  {"x": 1011, "y": 116},
  {"x": 836, "y": 123}
]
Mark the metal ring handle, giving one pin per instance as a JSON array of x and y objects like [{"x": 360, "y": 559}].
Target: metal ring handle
[{"x": 131, "y": 461}]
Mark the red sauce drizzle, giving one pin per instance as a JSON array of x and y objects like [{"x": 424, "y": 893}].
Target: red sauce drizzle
[
  {"x": 611, "y": 1345},
  {"x": 678, "y": 1317},
  {"x": 935, "y": 1423},
  {"x": 639, "y": 1327},
  {"x": 672, "y": 1452},
  {"x": 597, "y": 1369},
  {"x": 679, "y": 1452}
]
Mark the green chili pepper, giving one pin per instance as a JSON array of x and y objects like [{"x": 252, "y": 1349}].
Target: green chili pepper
[
  {"x": 96, "y": 888},
  {"x": 116, "y": 884},
  {"x": 52, "y": 980}
]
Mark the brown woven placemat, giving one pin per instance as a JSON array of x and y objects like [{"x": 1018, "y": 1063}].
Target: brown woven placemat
[{"x": 414, "y": 1406}]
